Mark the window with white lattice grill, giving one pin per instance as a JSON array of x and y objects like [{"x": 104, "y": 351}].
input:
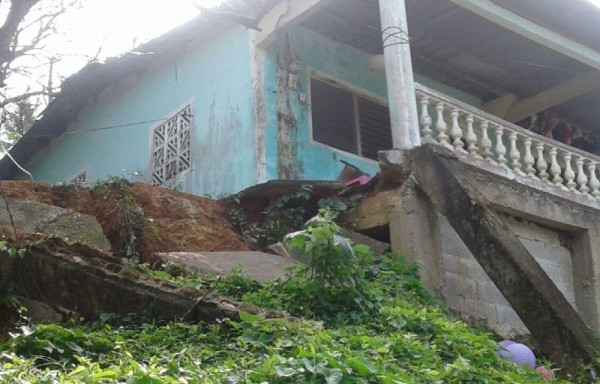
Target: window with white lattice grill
[
  {"x": 79, "y": 179},
  {"x": 171, "y": 147}
]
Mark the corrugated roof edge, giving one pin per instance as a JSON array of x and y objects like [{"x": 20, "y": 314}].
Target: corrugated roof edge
[{"x": 84, "y": 86}]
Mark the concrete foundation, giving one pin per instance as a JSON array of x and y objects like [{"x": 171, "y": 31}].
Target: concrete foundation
[
  {"x": 550, "y": 244},
  {"x": 468, "y": 290}
]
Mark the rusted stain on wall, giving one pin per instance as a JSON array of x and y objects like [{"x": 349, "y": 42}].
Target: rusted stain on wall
[{"x": 289, "y": 163}]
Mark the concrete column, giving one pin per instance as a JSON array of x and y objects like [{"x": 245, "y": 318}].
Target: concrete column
[
  {"x": 415, "y": 234},
  {"x": 399, "y": 73}
]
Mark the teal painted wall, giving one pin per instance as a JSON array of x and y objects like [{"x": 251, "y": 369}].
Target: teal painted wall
[
  {"x": 214, "y": 76},
  {"x": 329, "y": 59}
]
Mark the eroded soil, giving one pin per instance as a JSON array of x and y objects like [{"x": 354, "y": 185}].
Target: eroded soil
[{"x": 139, "y": 219}]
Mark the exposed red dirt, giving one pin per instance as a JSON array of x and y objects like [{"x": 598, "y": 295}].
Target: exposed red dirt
[
  {"x": 139, "y": 219},
  {"x": 176, "y": 221}
]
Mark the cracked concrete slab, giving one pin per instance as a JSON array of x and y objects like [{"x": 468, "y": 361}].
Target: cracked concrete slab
[
  {"x": 257, "y": 265},
  {"x": 38, "y": 218}
]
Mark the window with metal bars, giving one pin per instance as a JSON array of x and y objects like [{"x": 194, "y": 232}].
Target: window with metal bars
[
  {"x": 171, "y": 147},
  {"x": 348, "y": 121}
]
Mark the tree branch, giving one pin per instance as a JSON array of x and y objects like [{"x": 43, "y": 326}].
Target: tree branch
[{"x": 18, "y": 11}]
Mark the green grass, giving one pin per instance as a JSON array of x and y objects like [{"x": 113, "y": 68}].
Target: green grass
[{"x": 356, "y": 324}]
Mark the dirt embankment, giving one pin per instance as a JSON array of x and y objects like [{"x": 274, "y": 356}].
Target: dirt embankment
[{"x": 140, "y": 220}]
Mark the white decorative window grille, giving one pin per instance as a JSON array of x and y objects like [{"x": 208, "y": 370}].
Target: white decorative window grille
[
  {"x": 79, "y": 179},
  {"x": 171, "y": 147}
]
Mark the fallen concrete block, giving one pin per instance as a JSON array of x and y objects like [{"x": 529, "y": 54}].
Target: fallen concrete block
[
  {"x": 256, "y": 265},
  {"x": 90, "y": 282},
  {"x": 38, "y": 218}
]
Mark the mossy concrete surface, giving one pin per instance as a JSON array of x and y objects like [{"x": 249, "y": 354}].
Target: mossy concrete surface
[{"x": 38, "y": 218}]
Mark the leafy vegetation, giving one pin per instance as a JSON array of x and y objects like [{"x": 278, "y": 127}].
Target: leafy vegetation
[
  {"x": 285, "y": 214},
  {"x": 360, "y": 324}
]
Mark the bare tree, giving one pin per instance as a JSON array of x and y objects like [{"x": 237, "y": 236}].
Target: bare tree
[{"x": 26, "y": 63}]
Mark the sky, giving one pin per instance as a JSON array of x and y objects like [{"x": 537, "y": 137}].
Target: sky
[
  {"x": 118, "y": 25},
  {"x": 111, "y": 26}
]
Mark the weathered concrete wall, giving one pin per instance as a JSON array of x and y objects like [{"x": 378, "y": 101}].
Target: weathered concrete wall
[
  {"x": 290, "y": 150},
  {"x": 471, "y": 198},
  {"x": 560, "y": 232},
  {"x": 214, "y": 75},
  {"x": 551, "y": 249},
  {"x": 467, "y": 289}
]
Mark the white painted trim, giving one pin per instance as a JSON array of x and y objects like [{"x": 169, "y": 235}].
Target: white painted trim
[{"x": 532, "y": 31}]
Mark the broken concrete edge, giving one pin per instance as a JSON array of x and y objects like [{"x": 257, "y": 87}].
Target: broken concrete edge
[
  {"x": 259, "y": 266},
  {"x": 33, "y": 217},
  {"x": 276, "y": 188},
  {"x": 553, "y": 322},
  {"x": 90, "y": 282}
]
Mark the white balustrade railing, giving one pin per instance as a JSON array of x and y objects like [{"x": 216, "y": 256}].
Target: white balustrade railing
[{"x": 465, "y": 129}]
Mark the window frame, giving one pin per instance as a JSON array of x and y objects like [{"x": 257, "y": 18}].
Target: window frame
[{"x": 355, "y": 92}]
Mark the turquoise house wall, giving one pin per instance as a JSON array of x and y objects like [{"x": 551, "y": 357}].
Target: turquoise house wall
[
  {"x": 328, "y": 59},
  {"x": 214, "y": 75}
]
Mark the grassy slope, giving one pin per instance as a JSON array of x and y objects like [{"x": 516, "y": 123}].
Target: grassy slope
[{"x": 374, "y": 325}]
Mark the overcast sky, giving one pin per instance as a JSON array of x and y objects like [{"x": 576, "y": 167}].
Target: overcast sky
[{"x": 114, "y": 26}]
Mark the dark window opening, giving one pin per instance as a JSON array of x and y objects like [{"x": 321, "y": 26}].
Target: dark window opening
[{"x": 349, "y": 122}]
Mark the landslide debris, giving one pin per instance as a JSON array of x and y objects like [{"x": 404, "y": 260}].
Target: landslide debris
[{"x": 140, "y": 220}]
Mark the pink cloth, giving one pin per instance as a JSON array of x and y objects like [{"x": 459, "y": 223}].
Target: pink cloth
[{"x": 361, "y": 180}]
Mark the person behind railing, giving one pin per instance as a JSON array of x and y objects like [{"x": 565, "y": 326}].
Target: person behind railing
[{"x": 560, "y": 130}]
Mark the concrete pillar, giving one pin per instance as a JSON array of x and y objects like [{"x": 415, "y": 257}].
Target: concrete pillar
[
  {"x": 399, "y": 73},
  {"x": 415, "y": 234}
]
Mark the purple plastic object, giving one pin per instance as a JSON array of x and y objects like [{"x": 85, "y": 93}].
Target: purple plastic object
[
  {"x": 519, "y": 354},
  {"x": 506, "y": 343},
  {"x": 502, "y": 351}
]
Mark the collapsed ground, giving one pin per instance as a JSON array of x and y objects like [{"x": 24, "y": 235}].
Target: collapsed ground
[{"x": 391, "y": 332}]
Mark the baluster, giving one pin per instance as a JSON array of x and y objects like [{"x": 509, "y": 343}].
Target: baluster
[
  {"x": 500, "y": 148},
  {"x": 542, "y": 165},
  {"x": 569, "y": 173},
  {"x": 514, "y": 153},
  {"x": 582, "y": 179},
  {"x": 529, "y": 160},
  {"x": 441, "y": 127},
  {"x": 456, "y": 133},
  {"x": 486, "y": 143},
  {"x": 555, "y": 168},
  {"x": 594, "y": 182},
  {"x": 471, "y": 138},
  {"x": 425, "y": 119}
]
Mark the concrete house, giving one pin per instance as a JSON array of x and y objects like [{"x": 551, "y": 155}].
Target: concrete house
[{"x": 286, "y": 89}]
